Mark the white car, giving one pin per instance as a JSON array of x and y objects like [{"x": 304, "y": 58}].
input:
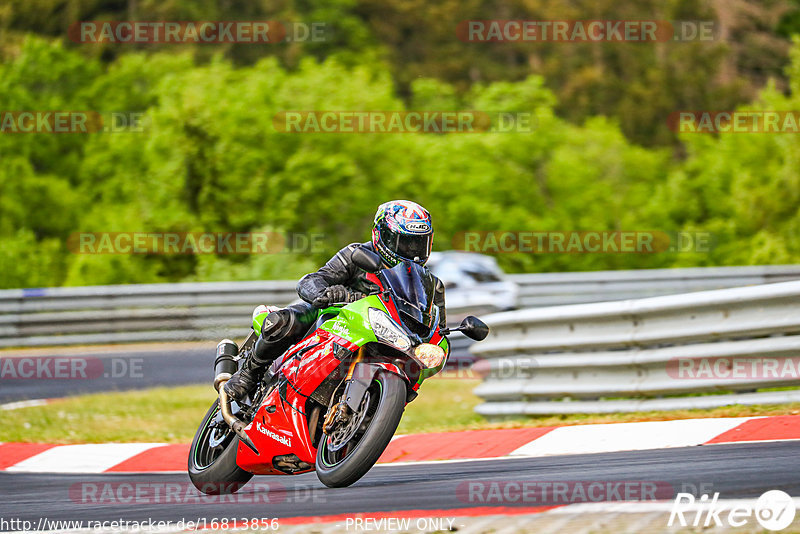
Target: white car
[{"x": 474, "y": 283}]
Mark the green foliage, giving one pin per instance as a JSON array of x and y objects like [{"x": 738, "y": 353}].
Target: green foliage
[
  {"x": 745, "y": 188},
  {"x": 637, "y": 83},
  {"x": 28, "y": 262},
  {"x": 211, "y": 159}
]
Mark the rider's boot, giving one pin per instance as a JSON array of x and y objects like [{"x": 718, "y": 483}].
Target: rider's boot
[{"x": 269, "y": 345}]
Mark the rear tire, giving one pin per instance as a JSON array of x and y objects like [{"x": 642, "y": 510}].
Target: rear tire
[
  {"x": 213, "y": 472},
  {"x": 391, "y": 402}
]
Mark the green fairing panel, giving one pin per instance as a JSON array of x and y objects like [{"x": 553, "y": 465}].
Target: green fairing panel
[{"x": 352, "y": 321}]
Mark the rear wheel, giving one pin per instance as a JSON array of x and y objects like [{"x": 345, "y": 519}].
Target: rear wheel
[
  {"x": 353, "y": 448},
  {"x": 212, "y": 456}
]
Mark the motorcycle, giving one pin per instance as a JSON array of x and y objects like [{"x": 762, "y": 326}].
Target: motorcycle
[{"x": 334, "y": 403}]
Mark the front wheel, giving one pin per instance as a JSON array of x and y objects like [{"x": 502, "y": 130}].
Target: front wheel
[
  {"x": 347, "y": 454},
  {"x": 212, "y": 456}
]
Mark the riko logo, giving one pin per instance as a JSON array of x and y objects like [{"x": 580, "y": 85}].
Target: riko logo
[
  {"x": 283, "y": 440},
  {"x": 774, "y": 510}
]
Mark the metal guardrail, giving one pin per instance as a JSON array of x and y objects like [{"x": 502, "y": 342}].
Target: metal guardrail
[
  {"x": 211, "y": 310},
  {"x": 692, "y": 350},
  {"x": 604, "y": 357},
  {"x": 555, "y": 289},
  {"x": 134, "y": 313},
  {"x": 145, "y": 312}
]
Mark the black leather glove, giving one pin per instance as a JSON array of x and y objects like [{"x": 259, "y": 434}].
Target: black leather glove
[
  {"x": 331, "y": 295},
  {"x": 354, "y": 296},
  {"x": 336, "y": 294}
]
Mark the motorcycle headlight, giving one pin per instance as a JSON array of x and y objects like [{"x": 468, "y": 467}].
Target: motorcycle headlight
[
  {"x": 387, "y": 331},
  {"x": 429, "y": 354}
]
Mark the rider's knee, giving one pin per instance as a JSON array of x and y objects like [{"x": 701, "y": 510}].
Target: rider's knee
[
  {"x": 277, "y": 324},
  {"x": 284, "y": 323}
]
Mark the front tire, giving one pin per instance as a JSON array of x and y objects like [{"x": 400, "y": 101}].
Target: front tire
[
  {"x": 341, "y": 468},
  {"x": 212, "y": 457}
]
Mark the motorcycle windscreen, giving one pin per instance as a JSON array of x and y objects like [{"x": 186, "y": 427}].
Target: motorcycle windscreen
[{"x": 413, "y": 286}]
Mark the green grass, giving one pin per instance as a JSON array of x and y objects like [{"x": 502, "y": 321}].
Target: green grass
[
  {"x": 154, "y": 415},
  {"x": 172, "y": 415}
]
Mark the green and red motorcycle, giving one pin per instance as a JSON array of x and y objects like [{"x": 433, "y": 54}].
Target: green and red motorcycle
[{"x": 335, "y": 402}]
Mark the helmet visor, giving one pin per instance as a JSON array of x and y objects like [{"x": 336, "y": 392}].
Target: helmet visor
[{"x": 407, "y": 246}]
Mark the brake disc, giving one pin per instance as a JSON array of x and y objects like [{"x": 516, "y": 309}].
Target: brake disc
[
  {"x": 344, "y": 432},
  {"x": 217, "y": 437}
]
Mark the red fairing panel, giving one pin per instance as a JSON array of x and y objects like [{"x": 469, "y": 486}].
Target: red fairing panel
[
  {"x": 285, "y": 431},
  {"x": 386, "y": 301},
  {"x": 273, "y": 435}
]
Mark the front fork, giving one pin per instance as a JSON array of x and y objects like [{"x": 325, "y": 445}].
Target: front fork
[{"x": 344, "y": 408}]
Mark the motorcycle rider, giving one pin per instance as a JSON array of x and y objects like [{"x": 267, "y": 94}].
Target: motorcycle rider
[{"x": 402, "y": 231}]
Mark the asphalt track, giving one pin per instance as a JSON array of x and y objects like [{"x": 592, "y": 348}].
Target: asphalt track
[
  {"x": 734, "y": 470},
  {"x": 117, "y": 371}
]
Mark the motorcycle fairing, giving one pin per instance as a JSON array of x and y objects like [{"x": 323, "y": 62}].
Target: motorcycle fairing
[
  {"x": 283, "y": 411},
  {"x": 280, "y": 426}
]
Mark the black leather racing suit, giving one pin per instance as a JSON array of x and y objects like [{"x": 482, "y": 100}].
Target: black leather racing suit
[
  {"x": 340, "y": 270},
  {"x": 287, "y": 326}
]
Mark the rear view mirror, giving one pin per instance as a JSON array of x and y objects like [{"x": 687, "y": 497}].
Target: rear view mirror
[
  {"x": 474, "y": 328},
  {"x": 367, "y": 260}
]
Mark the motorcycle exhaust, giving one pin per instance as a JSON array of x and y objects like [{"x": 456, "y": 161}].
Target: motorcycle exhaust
[
  {"x": 224, "y": 366},
  {"x": 236, "y": 424}
]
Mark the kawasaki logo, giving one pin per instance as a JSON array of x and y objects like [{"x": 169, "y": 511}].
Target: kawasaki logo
[{"x": 283, "y": 440}]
